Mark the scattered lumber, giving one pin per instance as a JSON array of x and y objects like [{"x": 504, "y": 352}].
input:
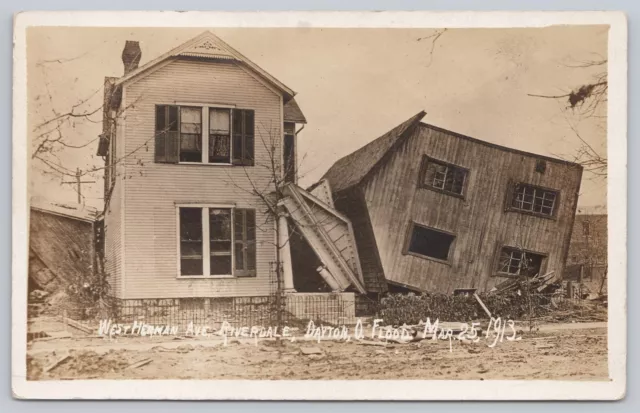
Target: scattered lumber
[
  {"x": 57, "y": 363},
  {"x": 484, "y": 307},
  {"x": 73, "y": 323},
  {"x": 138, "y": 363},
  {"x": 372, "y": 343},
  {"x": 310, "y": 350}
]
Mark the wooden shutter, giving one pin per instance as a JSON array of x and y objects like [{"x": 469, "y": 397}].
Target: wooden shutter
[
  {"x": 508, "y": 201},
  {"x": 245, "y": 242},
  {"x": 243, "y": 136},
  {"x": 167, "y": 135}
]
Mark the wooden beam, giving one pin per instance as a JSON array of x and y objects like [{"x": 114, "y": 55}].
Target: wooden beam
[{"x": 484, "y": 307}]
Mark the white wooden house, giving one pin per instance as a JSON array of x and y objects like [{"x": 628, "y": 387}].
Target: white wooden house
[{"x": 186, "y": 138}]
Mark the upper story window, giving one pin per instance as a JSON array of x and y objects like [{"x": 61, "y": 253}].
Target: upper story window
[
  {"x": 533, "y": 199},
  {"x": 443, "y": 176},
  {"x": 204, "y": 134}
]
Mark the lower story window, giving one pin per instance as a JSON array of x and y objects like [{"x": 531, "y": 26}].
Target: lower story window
[
  {"x": 213, "y": 239},
  {"x": 429, "y": 242},
  {"x": 514, "y": 261}
]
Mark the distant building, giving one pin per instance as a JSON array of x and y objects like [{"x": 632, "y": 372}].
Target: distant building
[
  {"x": 433, "y": 210},
  {"x": 587, "y": 260}
]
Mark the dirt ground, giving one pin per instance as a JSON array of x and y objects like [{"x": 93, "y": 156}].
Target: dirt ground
[{"x": 568, "y": 352}]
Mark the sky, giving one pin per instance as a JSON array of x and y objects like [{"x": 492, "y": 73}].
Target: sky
[{"x": 353, "y": 85}]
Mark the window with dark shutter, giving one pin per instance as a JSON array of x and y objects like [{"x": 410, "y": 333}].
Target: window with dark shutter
[
  {"x": 245, "y": 242},
  {"x": 243, "y": 128},
  {"x": 167, "y": 149}
]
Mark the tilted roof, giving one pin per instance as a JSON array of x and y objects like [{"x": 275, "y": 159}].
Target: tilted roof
[{"x": 350, "y": 170}]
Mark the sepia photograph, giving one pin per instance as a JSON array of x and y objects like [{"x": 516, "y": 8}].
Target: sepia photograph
[{"x": 304, "y": 203}]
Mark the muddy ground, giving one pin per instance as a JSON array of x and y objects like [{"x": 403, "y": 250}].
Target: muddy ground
[{"x": 570, "y": 352}]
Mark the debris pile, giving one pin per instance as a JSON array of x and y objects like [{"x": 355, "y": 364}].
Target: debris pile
[{"x": 518, "y": 298}]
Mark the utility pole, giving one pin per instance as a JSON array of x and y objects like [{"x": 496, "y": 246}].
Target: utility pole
[{"x": 79, "y": 182}]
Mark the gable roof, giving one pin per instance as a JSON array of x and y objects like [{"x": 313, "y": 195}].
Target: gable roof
[
  {"x": 350, "y": 170},
  {"x": 293, "y": 113},
  {"x": 207, "y": 45}
]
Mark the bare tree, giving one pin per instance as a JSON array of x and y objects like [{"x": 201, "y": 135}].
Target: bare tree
[{"x": 586, "y": 101}]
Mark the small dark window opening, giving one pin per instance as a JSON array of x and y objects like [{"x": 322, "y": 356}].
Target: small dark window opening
[
  {"x": 515, "y": 261},
  {"x": 443, "y": 176},
  {"x": 541, "y": 166},
  {"x": 430, "y": 243},
  {"x": 190, "y": 134},
  {"x": 289, "y": 152}
]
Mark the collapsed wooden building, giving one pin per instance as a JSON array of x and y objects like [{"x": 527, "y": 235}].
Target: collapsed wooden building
[{"x": 433, "y": 210}]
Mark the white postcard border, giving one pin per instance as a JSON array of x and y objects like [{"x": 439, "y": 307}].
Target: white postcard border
[{"x": 338, "y": 389}]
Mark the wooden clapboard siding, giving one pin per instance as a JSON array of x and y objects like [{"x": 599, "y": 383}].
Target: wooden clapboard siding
[
  {"x": 152, "y": 189},
  {"x": 479, "y": 221},
  {"x": 113, "y": 237}
]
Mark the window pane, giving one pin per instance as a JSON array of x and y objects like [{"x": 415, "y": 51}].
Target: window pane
[
  {"x": 431, "y": 243},
  {"x": 443, "y": 176},
  {"x": 190, "y": 116},
  {"x": 190, "y": 134},
  {"x": 219, "y": 121},
  {"x": 190, "y": 266},
  {"x": 191, "y": 224},
  {"x": 220, "y": 224},
  {"x": 533, "y": 199},
  {"x": 191, "y": 241},
  {"x": 517, "y": 262},
  {"x": 221, "y": 265},
  {"x": 219, "y": 149}
]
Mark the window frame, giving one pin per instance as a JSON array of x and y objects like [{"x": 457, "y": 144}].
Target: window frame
[
  {"x": 495, "y": 268},
  {"x": 409, "y": 235},
  {"x": 206, "y": 243},
  {"x": 426, "y": 159},
  {"x": 204, "y": 133},
  {"x": 511, "y": 187}
]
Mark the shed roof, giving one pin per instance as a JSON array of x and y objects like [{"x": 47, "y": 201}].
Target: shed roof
[
  {"x": 75, "y": 211},
  {"x": 292, "y": 112},
  {"x": 350, "y": 170}
]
